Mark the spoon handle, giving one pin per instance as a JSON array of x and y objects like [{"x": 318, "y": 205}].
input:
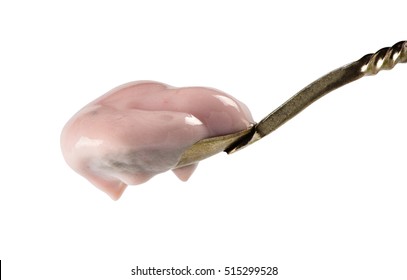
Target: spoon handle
[{"x": 370, "y": 64}]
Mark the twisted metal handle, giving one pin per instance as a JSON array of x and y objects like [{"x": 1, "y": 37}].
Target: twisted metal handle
[
  {"x": 384, "y": 59},
  {"x": 370, "y": 64}
]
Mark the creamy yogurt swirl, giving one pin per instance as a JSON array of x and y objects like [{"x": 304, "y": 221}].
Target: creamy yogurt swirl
[{"x": 141, "y": 129}]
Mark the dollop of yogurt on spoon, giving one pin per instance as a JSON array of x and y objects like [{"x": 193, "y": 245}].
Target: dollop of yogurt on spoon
[{"x": 141, "y": 129}]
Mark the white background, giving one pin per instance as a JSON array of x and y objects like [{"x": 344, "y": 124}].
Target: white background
[{"x": 323, "y": 197}]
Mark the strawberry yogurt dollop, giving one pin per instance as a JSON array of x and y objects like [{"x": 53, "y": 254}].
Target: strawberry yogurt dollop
[{"x": 141, "y": 129}]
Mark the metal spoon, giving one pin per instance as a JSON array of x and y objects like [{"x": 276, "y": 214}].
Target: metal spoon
[{"x": 370, "y": 64}]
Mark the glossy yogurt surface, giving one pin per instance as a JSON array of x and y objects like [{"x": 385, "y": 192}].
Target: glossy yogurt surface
[{"x": 141, "y": 129}]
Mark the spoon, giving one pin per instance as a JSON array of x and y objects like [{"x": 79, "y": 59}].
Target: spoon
[{"x": 370, "y": 64}]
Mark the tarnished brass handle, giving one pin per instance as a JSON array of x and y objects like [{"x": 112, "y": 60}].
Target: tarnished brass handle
[{"x": 370, "y": 64}]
